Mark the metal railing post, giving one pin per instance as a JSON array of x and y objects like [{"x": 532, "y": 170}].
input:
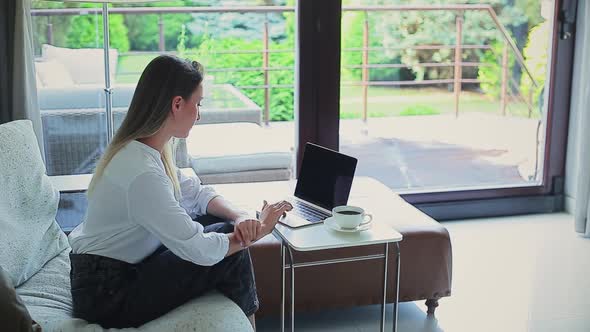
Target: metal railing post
[
  {"x": 504, "y": 87},
  {"x": 530, "y": 104},
  {"x": 162, "y": 43},
  {"x": 458, "y": 72},
  {"x": 365, "y": 71},
  {"x": 49, "y": 31},
  {"x": 265, "y": 56}
]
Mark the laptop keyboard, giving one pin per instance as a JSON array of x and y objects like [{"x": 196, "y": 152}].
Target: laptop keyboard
[{"x": 308, "y": 212}]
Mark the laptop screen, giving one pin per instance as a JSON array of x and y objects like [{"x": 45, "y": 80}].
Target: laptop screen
[{"x": 326, "y": 177}]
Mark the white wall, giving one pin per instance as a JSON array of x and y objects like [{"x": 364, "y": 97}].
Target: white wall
[{"x": 579, "y": 85}]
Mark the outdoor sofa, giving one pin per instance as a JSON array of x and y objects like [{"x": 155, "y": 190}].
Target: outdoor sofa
[{"x": 70, "y": 87}]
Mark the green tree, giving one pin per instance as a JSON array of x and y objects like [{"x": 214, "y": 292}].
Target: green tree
[
  {"x": 87, "y": 32},
  {"x": 402, "y": 30},
  {"x": 144, "y": 29},
  {"x": 352, "y": 38}
]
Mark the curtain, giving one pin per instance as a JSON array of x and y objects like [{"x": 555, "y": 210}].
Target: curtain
[
  {"x": 580, "y": 104},
  {"x": 18, "y": 90}
]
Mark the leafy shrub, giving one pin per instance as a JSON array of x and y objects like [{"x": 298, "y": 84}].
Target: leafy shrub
[
  {"x": 535, "y": 54},
  {"x": 281, "y": 99},
  {"x": 490, "y": 74}
]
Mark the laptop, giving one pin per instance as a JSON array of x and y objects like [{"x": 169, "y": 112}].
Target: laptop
[{"x": 324, "y": 182}]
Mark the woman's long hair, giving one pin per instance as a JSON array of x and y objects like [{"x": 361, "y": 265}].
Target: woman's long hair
[{"x": 164, "y": 78}]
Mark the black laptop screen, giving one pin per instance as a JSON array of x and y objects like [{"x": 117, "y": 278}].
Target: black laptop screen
[{"x": 326, "y": 177}]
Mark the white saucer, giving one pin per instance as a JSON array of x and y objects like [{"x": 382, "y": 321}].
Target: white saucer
[{"x": 331, "y": 223}]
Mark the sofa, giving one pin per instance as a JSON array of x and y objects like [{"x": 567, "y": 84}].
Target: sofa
[
  {"x": 425, "y": 266},
  {"x": 72, "y": 104},
  {"x": 34, "y": 251}
]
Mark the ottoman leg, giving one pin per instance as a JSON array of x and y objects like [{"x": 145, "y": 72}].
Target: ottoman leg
[{"x": 431, "y": 304}]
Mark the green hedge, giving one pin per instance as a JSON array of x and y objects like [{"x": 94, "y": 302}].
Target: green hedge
[{"x": 281, "y": 99}]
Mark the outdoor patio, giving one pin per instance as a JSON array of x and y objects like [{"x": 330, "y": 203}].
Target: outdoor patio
[{"x": 414, "y": 153}]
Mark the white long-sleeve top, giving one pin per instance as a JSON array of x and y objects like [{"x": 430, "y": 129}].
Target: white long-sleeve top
[{"x": 132, "y": 211}]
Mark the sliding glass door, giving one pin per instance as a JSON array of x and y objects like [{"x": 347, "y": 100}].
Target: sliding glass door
[{"x": 445, "y": 97}]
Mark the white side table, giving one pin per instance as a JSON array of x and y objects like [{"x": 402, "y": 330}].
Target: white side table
[{"x": 319, "y": 237}]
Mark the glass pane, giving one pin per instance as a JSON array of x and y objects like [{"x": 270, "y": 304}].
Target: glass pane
[
  {"x": 246, "y": 130},
  {"x": 443, "y": 97},
  {"x": 69, "y": 64},
  {"x": 70, "y": 76}
]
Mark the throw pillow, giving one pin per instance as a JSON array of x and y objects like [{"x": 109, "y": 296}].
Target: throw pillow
[
  {"x": 53, "y": 74},
  {"x": 29, "y": 234},
  {"x": 85, "y": 65}
]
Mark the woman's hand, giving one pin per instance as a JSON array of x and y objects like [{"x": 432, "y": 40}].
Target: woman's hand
[
  {"x": 270, "y": 215},
  {"x": 247, "y": 230}
]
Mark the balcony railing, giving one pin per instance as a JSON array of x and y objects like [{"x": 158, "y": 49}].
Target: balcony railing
[{"x": 459, "y": 47}]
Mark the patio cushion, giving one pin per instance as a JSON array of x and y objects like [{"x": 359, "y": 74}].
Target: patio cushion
[
  {"x": 52, "y": 73},
  {"x": 237, "y": 147},
  {"x": 260, "y": 175},
  {"x": 241, "y": 162},
  {"x": 76, "y": 61}
]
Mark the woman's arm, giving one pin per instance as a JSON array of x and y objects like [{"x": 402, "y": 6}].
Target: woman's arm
[
  {"x": 246, "y": 228},
  {"x": 235, "y": 245},
  {"x": 195, "y": 196},
  {"x": 269, "y": 217},
  {"x": 222, "y": 208},
  {"x": 152, "y": 205}
]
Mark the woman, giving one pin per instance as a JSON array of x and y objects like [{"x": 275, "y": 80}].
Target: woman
[{"x": 139, "y": 254}]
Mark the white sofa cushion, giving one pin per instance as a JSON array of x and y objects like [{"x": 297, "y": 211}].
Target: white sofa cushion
[
  {"x": 85, "y": 65},
  {"x": 29, "y": 234},
  {"x": 211, "y": 312},
  {"x": 47, "y": 294},
  {"x": 49, "y": 301}
]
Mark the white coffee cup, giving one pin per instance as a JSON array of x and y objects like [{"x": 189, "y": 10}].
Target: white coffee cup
[{"x": 348, "y": 216}]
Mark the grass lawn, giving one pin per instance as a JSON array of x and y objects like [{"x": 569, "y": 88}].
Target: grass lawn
[
  {"x": 129, "y": 67},
  {"x": 388, "y": 101}
]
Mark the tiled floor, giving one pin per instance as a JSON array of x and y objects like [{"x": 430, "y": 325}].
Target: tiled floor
[{"x": 526, "y": 273}]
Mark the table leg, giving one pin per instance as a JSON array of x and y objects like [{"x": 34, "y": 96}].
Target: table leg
[
  {"x": 292, "y": 264},
  {"x": 384, "y": 288},
  {"x": 396, "y": 302},
  {"x": 282, "y": 287}
]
